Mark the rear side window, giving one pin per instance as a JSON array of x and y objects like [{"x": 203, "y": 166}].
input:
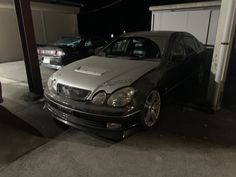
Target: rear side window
[
  {"x": 88, "y": 43},
  {"x": 197, "y": 43},
  {"x": 189, "y": 45},
  {"x": 178, "y": 48}
]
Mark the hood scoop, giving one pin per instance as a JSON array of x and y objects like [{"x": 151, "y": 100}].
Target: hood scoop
[{"x": 91, "y": 70}]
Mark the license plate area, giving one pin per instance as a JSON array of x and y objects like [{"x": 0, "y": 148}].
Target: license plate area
[
  {"x": 67, "y": 111},
  {"x": 46, "y": 60}
]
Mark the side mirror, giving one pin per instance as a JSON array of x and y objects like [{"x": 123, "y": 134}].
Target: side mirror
[{"x": 177, "y": 58}]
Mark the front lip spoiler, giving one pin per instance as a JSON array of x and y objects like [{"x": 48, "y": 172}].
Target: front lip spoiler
[
  {"x": 114, "y": 134},
  {"x": 93, "y": 114}
]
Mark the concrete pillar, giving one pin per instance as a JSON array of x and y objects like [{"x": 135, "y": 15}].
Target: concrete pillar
[
  {"x": 221, "y": 54},
  {"x": 25, "y": 23}
]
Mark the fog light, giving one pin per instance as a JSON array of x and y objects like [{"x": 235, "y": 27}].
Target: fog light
[{"x": 113, "y": 125}]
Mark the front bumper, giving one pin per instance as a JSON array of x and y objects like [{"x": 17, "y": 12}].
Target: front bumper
[
  {"x": 51, "y": 66},
  {"x": 51, "y": 62},
  {"x": 97, "y": 123}
]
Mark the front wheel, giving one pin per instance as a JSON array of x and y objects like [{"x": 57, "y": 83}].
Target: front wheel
[{"x": 151, "y": 110}]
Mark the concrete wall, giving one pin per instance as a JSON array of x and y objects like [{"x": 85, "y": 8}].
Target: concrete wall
[
  {"x": 57, "y": 25},
  {"x": 10, "y": 45},
  {"x": 50, "y": 22}
]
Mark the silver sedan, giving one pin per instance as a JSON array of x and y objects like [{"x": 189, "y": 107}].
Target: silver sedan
[{"x": 123, "y": 86}]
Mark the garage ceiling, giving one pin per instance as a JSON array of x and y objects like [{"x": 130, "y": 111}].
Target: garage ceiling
[{"x": 104, "y": 17}]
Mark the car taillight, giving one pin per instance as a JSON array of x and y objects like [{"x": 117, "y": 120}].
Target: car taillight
[
  {"x": 59, "y": 53},
  {"x": 55, "y": 53},
  {"x": 38, "y": 51},
  {"x": 52, "y": 52}
]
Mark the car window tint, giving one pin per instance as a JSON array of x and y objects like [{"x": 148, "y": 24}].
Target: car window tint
[
  {"x": 88, "y": 43},
  {"x": 133, "y": 47},
  {"x": 68, "y": 41},
  {"x": 197, "y": 43},
  {"x": 119, "y": 47},
  {"x": 178, "y": 48},
  {"x": 189, "y": 45},
  {"x": 152, "y": 50},
  {"x": 161, "y": 42},
  {"x": 98, "y": 42},
  {"x": 137, "y": 48}
]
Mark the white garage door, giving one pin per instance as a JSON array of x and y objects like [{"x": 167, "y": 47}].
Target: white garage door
[{"x": 201, "y": 23}]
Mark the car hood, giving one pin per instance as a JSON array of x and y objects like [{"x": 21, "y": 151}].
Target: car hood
[{"x": 100, "y": 73}]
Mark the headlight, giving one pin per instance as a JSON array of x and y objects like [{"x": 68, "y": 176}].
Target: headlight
[
  {"x": 99, "y": 98},
  {"x": 121, "y": 97},
  {"x": 52, "y": 85}
]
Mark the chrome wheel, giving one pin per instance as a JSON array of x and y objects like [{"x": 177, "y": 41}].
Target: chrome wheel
[{"x": 152, "y": 109}]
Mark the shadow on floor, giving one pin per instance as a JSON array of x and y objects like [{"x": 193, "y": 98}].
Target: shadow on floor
[
  {"x": 218, "y": 128},
  {"x": 9, "y": 119},
  {"x": 17, "y": 137},
  {"x": 183, "y": 113}
]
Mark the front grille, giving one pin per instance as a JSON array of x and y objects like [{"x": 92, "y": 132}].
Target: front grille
[{"x": 73, "y": 93}]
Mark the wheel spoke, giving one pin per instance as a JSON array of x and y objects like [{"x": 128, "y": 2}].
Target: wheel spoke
[
  {"x": 152, "y": 99},
  {"x": 147, "y": 104},
  {"x": 148, "y": 116},
  {"x": 153, "y": 115},
  {"x": 156, "y": 107}
]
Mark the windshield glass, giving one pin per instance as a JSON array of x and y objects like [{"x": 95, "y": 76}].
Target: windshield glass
[
  {"x": 132, "y": 47},
  {"x": 68, "y": 41}
]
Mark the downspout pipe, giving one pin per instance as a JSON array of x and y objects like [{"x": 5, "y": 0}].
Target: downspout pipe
[{"x": 225, "y": 42}]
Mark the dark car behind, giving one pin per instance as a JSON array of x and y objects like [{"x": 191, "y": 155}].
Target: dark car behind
[{"x": 68, "y": 49}]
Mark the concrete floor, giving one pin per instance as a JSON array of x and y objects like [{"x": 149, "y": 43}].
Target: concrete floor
[
  {"x": 15, "y": 71},
  {"x": 24, "y": 126},
  {"x": 185, "y": 143}
]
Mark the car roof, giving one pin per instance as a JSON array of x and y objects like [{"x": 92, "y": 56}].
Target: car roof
[
  {"x": 161, "y": 38},
  {"x": 150, "y": 34}
]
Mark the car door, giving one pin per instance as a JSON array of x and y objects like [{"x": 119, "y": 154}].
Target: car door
[
  {"x": 192, "y": 61},
  {"x": 184, "y": 58},
  {"x": 175, "y": 63}
]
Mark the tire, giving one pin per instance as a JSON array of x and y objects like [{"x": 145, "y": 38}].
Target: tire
[{"x": 151, "y": 110}]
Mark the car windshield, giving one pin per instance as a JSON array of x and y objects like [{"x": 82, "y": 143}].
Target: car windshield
[
  {"x": 132, "y": 48},
  {"x": 68, "y": 41}
]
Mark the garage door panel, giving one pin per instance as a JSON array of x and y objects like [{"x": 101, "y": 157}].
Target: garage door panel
[
  {"x": 213, "y": 26},
  {"x": 38, "y": 27},
  {"x": 10, "y": 43},
  {"x": 193, "y": 21},
  {"x": 165, "y": 21},
  {"x": 58, "y": 25},
  {"x": 197, "y": 24}
]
